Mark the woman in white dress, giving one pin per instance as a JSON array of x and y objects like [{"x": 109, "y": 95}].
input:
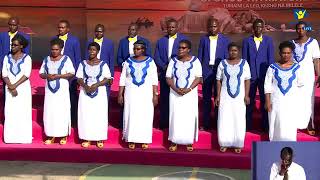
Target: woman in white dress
[
  {"x": 139, "y": 94},
  {"x": 307, "y": 54},
  {"x": 183, "y": 75},
  {"x": 282, "y": 89},
  {"x": 233, "y": 85},
  {"x": 56, "y": 69},
  {"x": 15, "y": 73},
  {"x": 93, "y": 74}
]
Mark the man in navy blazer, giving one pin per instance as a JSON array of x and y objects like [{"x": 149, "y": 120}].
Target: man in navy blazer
[
  {"x": 72, "y": 49},
  {"x": 125, "y": 49},
  {"x": 5, "y": 38},
  {"x": 213, "y": 48},
  {"x": 258, "y": 50},
  {"x": 106, "y": 52},
  {"x": 166, "y": 48}
]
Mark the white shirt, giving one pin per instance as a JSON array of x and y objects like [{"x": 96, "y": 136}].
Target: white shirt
[
  {"x": 213, "y": 47},
  {"x": 170, "y": 46},
  {"x": 11, "y": 38},
  {"x": 100, "y": 44},
  {"x": 131, "y": 47},
  {"x": 64, "y": 45},
  {"x": 295, "y": 172},
  {"x": 257, "y": 44}
]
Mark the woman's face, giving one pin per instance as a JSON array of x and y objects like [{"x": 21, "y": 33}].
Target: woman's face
[
  {"x": 93, "y": 52},
  {"x": 234, "y": 52},
  {"x": 183, "y": 50},
  {"x": 286, "y": 54},
  {"x": 16, "y": 46},
  {"x": 55, "y": 50},
  {"x": 301, "y": 31},
  {"x": 138, "y": 50}
]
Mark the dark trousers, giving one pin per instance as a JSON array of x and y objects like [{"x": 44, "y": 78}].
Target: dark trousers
[
  {"x": 74, "y": 101},
  {"x": 254, "y": 84},
  {"x": 209, "y": 88},
  {"x": 164, "y": 103}
]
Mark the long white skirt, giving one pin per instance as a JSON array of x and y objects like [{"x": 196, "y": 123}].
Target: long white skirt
[
  {"x": 56, "y": 111},
  {"x": 183, "y": 117},
  {"x": 282, "y": 119},
  {"x": 18, "y": 115},
  {"x": 231, "y": 121},
  {"x": 138, "y": 114},
  {"x": 93, "y": 116},
  {"x": 306, "y": 96}
]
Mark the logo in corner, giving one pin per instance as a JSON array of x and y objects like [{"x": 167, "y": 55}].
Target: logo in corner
[{"x": 299, "y": 14}]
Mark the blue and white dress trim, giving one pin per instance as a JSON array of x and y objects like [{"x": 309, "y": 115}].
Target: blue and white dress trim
[
  {"x": 54, "y": 85},
  {"x": 15, "y": 68},
  {"x": 139, "y": 70},
  {"x": 233, "y": 74},
  {"x": 300, "y": 51},
  {"x": 91, "y": 76},
  {"x": 181, "y": 72}
]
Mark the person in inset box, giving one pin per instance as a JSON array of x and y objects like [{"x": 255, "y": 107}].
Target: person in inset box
[
  {"x": 16, "y": 71},
  {"x": 183, "y": 75},
  {"x": 138, "y": 93},
  {"x": 282, "y": 93},
  {"x": 286, "y": 169},
  {"x": 57, "y": 69},
  {"x": 93, "y": 75},
  {"x": 233, "y": 85}
]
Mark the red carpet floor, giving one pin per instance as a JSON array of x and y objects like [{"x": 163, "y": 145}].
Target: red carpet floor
[{"x": 206, "y": 152}]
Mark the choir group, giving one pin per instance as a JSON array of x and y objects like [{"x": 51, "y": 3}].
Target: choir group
[{"x": 229, "y": 73}]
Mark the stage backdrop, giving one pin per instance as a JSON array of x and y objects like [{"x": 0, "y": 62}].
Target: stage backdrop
[
  {"x": 39, "y": 18},
  {"x": 306, "y": 154}
]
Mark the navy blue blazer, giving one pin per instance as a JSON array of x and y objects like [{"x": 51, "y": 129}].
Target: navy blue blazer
[
  {"x": 204, "y": 53},
  {"x": 259, "y": 60},
  {"x": 106, "y": 53},
  {"x": 123, "y": 49},
  {"x": 161, "y": 51},
  {"x": 72, "y": 49},
  {"x": 5, "y": 45}
]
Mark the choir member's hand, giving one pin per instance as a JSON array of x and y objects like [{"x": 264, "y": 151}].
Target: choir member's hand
[
  {"x": 155, "y": 100},
  {"x": 179, "y": 91},
  {"x": 318, "y": 82},
  {"x": 110, "y": 82},
  {"x": 50, "y": 77},
  {"x": 87, "y": 88},
  {"x": 94, "y": 87},
  {"x": 247, "y": 100},
  {"x": 217, "y": 101},
  {"x": 14, "y": 92},
  {"x": 186, "y": 90},
  {"x": 268, "y": 107},
  {"x": 120, "y": 100},
  {"x": 11, "y": 86}
]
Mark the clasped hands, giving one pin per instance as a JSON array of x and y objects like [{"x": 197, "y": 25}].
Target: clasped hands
[
  {"x": 12, "y": 89},
  {"x": 182, "y": 91}
]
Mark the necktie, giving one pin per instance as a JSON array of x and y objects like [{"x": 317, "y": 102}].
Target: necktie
[
  {"x": 134, "y": 39},
  {"x": 213, "y": 37},
  {"x": 12, "y": 34},
  {"x": 258, "y": 38},
  {"x": 98, "y": 40},
  {"x": 64, "y": 37},
  {"x": 174, "y": 36}
]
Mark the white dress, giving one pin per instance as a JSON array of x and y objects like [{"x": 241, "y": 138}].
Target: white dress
[
  {"x": 18, "y": 110},
  {"x": 183, "y": 113},
  {"x": 232, "y": 108},
  {"x": 295, "y": 172},
  {"x": 93, "y": 107},
  {"x": 138, "y": 78},
  {"x": 283, "y": 86},
  {"x": 304, "y": 55},
  {"x": 56, "y": 111}
]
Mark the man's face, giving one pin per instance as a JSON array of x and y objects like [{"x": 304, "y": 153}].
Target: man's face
[
  {"x": 63, "y": 29},
  {"x": 172, "y": 28},
  {"x": 13, "y": 25},
  {"x": 213, "y": 28},
  {"x": 132, "y": 31},
  {"x": 99, "y": 31},
  {"x": 257, "y": 28},
  {"x": 286, "y": 159}
]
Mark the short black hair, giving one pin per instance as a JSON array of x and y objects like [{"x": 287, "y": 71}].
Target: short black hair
[
  {"x": 141, "y": 42},
  {"x": 99, "y": 25},
  {"x": 66, "y": 22},
  {"x": 286, "y": 150},
  {"x": 255, "y": 22},
  {"x": 172, "y": 20},
  {"x": 21, "y": 39},
  {"x": 95, "y": 45},
  {"x": 187, "y": 42},
  {"x": 212, "y": 19},
  {"x": 57, "y": 41},
  {"x": 286, "y": 44},
  {"x": 301, "y": 22},
  {"x": 233, "y": 44}
]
